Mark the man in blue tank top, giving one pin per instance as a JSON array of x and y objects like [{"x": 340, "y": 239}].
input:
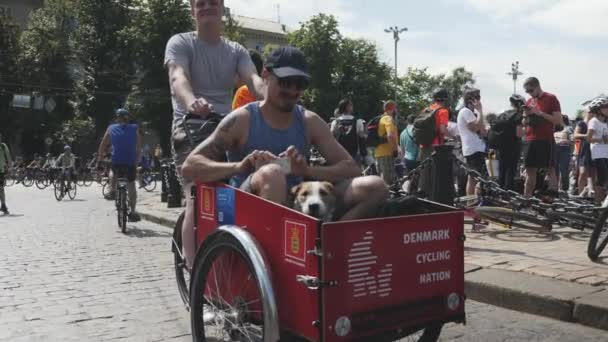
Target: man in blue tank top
[
  {"x": 126, "y": 151},
  {"x": 255, "y": 136}
]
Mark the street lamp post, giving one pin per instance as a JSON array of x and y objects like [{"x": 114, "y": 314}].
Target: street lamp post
[
  {"x": 515, "y": 73},
  {"x": 395, "y": 31}
]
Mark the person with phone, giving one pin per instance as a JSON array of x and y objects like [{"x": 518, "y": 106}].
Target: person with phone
[
  {"x": 542, "y": 113},
  {"x": 258, "y": 136},
  {"x": 471, "y": 127}
]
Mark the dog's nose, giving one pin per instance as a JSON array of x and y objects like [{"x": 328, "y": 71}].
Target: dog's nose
[{"x": 314, "y": 208}]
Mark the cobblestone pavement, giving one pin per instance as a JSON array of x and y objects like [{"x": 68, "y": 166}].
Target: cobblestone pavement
[
  {"x": 68, "y": 274},
  {"x": 561, "y": 254}
]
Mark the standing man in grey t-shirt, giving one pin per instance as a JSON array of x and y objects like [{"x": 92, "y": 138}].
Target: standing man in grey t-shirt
[{"x": 203, "y": 67}]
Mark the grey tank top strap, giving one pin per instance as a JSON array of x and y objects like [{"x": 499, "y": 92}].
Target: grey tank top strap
[{"x": 262, "y": 137}]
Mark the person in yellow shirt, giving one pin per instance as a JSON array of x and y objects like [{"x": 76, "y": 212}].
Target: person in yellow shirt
[
  {"x": 385, "y": 153},
  {"x": 243, "y": 96}
]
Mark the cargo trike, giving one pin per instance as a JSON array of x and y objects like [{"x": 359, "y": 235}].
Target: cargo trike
[{"x": 264, "y": 272}]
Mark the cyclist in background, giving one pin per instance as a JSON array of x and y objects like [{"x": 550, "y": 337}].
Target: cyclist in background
[
  {"x": 125, "y": 140},
  {"x": 66, "y": 162}
]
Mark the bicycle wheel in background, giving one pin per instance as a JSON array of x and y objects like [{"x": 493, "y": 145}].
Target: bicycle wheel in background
[
  {"x": 58, "y": 190},
  {"x": 514, "y": 219},
  {"x": 599, "y": 237}
]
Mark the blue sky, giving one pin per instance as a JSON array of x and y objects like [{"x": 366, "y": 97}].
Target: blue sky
[{"x": 562, "y": 42}]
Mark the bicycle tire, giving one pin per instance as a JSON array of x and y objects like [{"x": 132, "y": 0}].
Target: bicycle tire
[
  {"x": 514, "y": 219},
  {"x": 72, "y": 190},
  {"x": 123, "y": 210},
  {"x": 203, "y": 302},
  {"x": 151, "y": 185},
  {"x": 40, "y": 184},
  {"x": 28, "y": 182},
  {"x": 577, "y": 221},
  {"x": 599, "y": 237},
  {"x": 181, "y": 271},
  {"x": 58, "y": 190}
]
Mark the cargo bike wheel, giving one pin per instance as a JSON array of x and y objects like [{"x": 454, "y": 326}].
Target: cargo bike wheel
[
  {"x": 231, "y": 297},
  {"x": 182, "y": 275}
]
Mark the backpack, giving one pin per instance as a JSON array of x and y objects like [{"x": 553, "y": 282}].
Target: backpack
[
  {"x": 346, "y": 134},
  {"x": 373, "y": 137},
  {"x": 425, "y": 127},
  {"x": 502, "y": 132}
]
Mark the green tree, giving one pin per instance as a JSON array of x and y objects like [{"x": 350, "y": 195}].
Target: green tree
[
  {"x": 152, "y": 26},
  {"x": 79, "y": 133},
  {"x": 361, "y": 77},
  {"x": 456, "y": 82},
  {"x": 9, "y": 36},
  {"x": 45, "y": 61},
  {"x": 320, "y": 39},
  {"x": 104, "y": 56}
]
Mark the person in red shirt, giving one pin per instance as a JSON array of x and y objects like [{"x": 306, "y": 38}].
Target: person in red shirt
[
  {"x": 541, "y": 114},
  {"x": 442, "y": 117}
]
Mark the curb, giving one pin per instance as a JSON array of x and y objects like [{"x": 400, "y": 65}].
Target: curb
[{"x": 519, "y": 291}]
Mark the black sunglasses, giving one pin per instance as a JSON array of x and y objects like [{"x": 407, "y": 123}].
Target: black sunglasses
[{"x": 301, "y": 83}]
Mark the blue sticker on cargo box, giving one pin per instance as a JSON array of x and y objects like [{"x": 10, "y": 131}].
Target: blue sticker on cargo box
[{"x": 225, "y": 205}]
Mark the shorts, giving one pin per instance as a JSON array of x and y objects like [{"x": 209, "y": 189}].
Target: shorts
[
  {"x": 584, "y": 157},
  {"x": 477, "y": 161},
  {"x": 386, "y": 169},
  {"x": 539, "y": 154},
  {"x": 601, "y": 166},
  {"x": 119, "y": 170}
]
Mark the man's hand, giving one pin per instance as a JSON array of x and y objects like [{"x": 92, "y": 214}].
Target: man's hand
[
  {"x": 200, "y": 107},
  {"x": 478, "y": 106},
  {"x": 299, "y": 165},
  {"x": 254, "y": 161}
]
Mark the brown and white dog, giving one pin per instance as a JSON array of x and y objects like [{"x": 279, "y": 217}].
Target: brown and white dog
[{"x": 316, "y": 199}]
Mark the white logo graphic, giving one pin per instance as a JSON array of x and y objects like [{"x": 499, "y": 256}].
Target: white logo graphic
[{"x": 363, "y": 269}]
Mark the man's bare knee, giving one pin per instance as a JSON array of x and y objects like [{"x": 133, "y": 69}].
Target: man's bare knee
[
  {"x": 270, "y": 182},
  {"x": 373, "y": 188}
]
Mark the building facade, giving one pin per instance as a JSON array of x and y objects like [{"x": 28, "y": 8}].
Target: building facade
[{"x": 261, "y": 33}]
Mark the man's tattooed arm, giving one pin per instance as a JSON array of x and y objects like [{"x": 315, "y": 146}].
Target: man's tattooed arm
[{"x": 220, "y": 142}]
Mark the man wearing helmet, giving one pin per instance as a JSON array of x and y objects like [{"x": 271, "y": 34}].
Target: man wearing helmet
[
  {"x": 66, "y": 162},
  {"x": 542, "y": 113},
  {"x": 597, "y": 136},
  {"x": 125, "y": 140}
]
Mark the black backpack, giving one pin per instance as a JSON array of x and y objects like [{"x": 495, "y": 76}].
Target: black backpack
[
  {"x": 373, "y": 137},
  {"x": 502, "y": 132},
  {"x": 346, "y": 134},
  {"x": 425, "y": 127}
]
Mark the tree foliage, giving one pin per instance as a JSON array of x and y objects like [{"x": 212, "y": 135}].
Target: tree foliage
[
  {"x": 152, "y": 26},
  {"x": 9, "y": 36},
  {"x": 320, "y": 40},
  {"x": 104, "y": 56},
  {"x": 46, "y": 60}
]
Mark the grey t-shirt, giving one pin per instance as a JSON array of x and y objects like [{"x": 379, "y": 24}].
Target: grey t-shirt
[{"x": 213, "y": 69}]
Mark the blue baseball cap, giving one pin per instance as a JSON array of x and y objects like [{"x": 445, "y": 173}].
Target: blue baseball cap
[{"x": 288, "y": 61}]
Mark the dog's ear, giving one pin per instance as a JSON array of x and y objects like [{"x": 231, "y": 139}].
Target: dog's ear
[
  {"x": 329, "y": 186},
  {"x": 295, "y": 189}
]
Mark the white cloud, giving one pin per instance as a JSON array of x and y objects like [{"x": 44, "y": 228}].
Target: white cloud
[
  {"x": 574, "y": 17},
  {"x": 505, "y": 8}
]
